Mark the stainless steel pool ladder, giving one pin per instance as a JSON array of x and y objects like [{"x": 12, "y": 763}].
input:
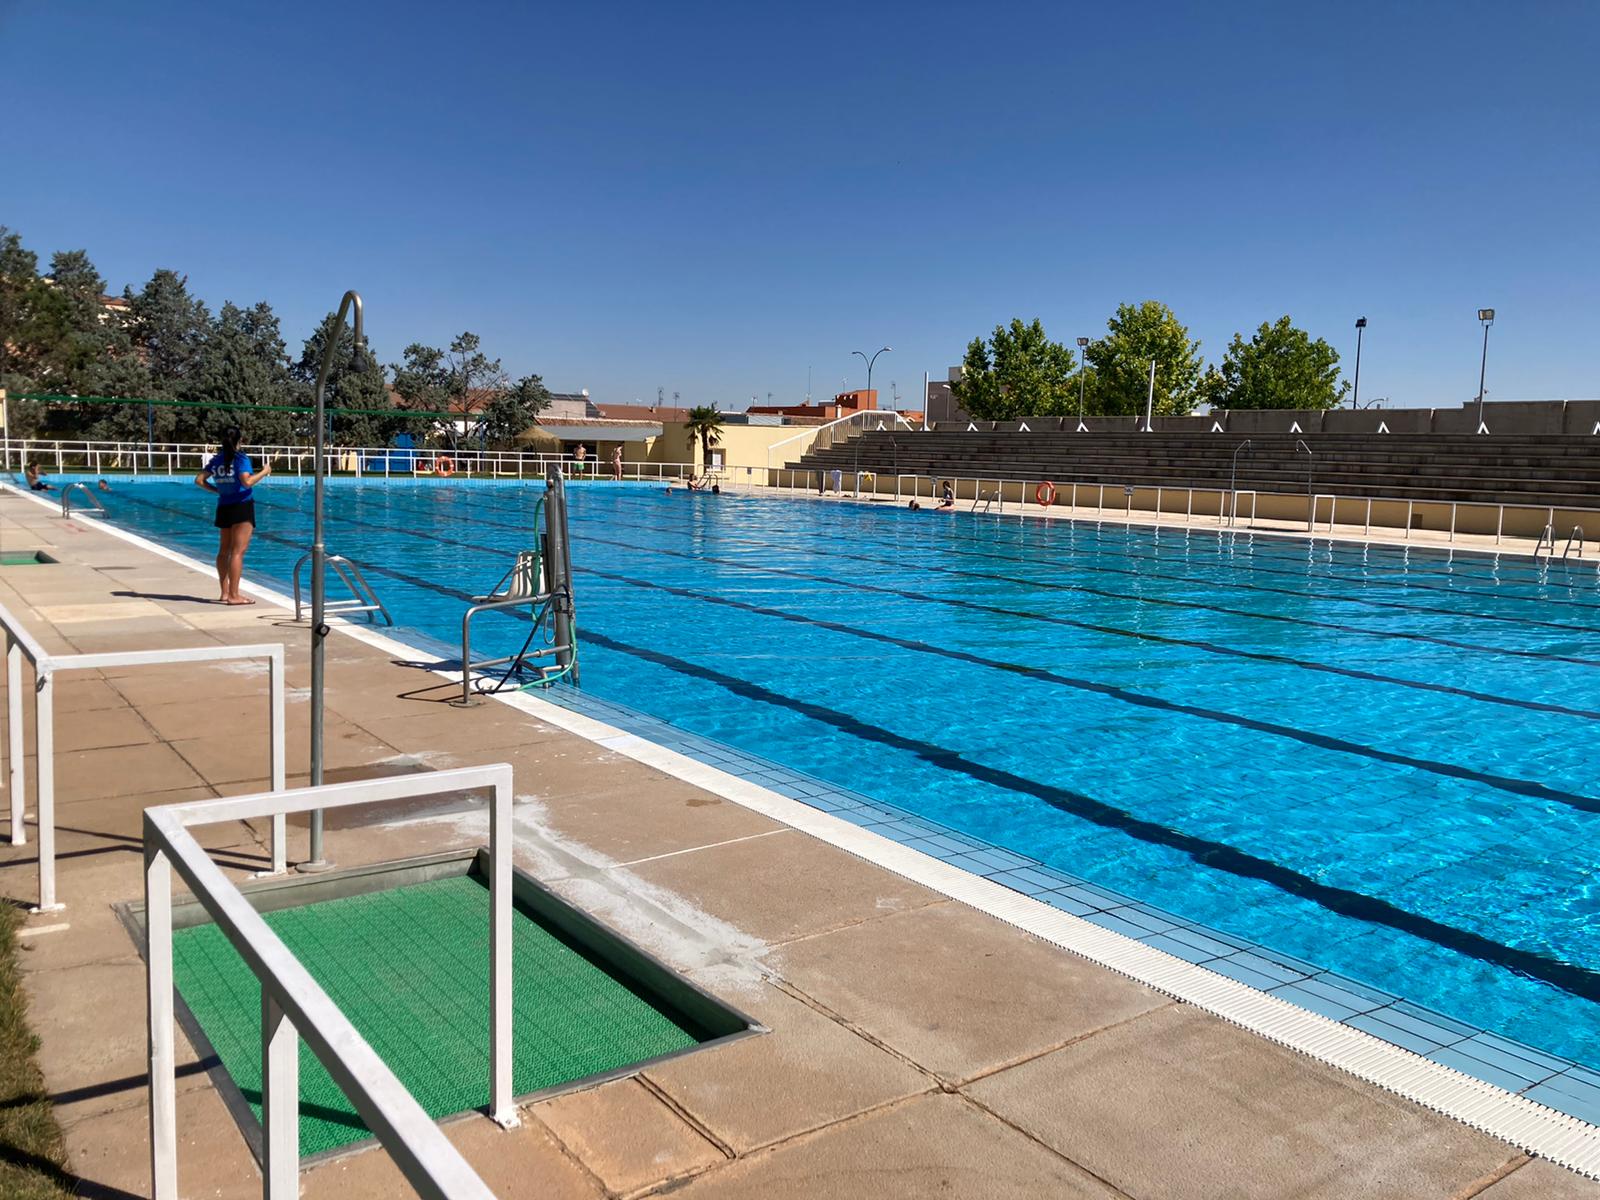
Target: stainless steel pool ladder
[
  {"x": 66, "y": 500},
  {"x": 985, "y": 497},
  {"x": 1547, "y": 543},
  {"x": 362, "y": 597}
]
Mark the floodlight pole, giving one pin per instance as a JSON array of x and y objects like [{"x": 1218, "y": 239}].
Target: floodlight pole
[
  {"x": 1486, "y": 315},
  {"x": 1355, "y": 398},
  {"x": 319, "y": 626}
]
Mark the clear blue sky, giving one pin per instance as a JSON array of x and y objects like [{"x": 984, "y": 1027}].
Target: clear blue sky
[{"x": 713, "y": 198}]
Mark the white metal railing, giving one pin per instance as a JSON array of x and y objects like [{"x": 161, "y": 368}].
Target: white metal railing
[
  {"x": 21, "y": 644},
  {"x": 179, "y": 458},
  {"x": 824, "y": 436},
  {"x": 1077, "y": 496},
  {"x": 294, "y": 1007}
]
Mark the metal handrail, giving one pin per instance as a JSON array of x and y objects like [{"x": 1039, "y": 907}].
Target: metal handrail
[
  {"x": 21, "y": 644},
  {"x": 1577, "y": 533},
  {"x": 1546, "y": 542},
  {"x": 295, "y": 1007},
  {"x": 363, "y": 597},
  {"x": 66, "y": 499}
]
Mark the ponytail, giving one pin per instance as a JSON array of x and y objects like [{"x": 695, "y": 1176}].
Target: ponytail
[{"x": 230, "y": 445}]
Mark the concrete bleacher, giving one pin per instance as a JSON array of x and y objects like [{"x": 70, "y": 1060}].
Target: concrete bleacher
[{"x": 1560, "y": 471}]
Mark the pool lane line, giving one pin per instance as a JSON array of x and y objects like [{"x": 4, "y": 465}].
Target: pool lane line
[
  {"x": 1505, "y": 783},
  {"x": 1113, "y": 630},
  {"x": 1209, "y": 647},
  {"x": 1254, "y": 557},
  {"x": 1509, "y": 784},
  {"x": 1530, "y": 1125},
  {"x": 1569, "y": 977},
  {"x": 1219, "y": 582},
  {"x": 1260, "y": 540},
  {"x": 1056, "y": 585},
  {"x": 1575, "y": 980},
  {"x": 1257, "y": 551}
]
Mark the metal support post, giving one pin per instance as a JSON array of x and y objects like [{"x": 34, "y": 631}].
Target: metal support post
[{"x": 163, "y": 1083}]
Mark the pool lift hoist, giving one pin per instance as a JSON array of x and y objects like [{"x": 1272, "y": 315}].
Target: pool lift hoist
[{"x": 540, "y": 580}]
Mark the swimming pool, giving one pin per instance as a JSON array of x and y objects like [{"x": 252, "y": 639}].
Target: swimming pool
[{"x": 1377, "y": 761}]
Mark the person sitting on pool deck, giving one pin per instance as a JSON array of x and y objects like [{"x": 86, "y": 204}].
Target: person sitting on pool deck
[
  {"x": 34, "y": 482},
  {"x": 228, "y": 474},
  {"x": 947, "y": 497}
]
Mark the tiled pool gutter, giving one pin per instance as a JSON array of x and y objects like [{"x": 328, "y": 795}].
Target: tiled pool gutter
[{"x": 1544, "y": 1104}]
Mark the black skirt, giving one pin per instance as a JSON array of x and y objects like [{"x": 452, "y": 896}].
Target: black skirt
[{"x": 229, "y": 515}]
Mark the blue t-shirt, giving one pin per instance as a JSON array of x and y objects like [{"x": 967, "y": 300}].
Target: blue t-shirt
[{"x": 229, "y": 481}]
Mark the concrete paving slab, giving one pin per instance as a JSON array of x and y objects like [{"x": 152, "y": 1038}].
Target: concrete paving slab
[
  {"x": 246, "y": 710},
  {"x": 111, "y": 1152},
  {"x": 101, "y": 729},
  {"x": 1180, "y": 1104},
  {"x": 933, "y": 1146},
  {"x": 122, "y": 771},
  {"x": 653, "y": 816},
  {"x": 626, "y": 1135},
  {"x": 487, "y": 726},
  {"x": 809, "y": 1071},
  {"x": 1539, "y": 1180},
  {"x": 525, "y": 1161},
  {"x": 91, "y": 1025},
  {"x": 224, "y": 760},
  {"x": 786, "y": 886},
  {"x": 957, "y": 992}
]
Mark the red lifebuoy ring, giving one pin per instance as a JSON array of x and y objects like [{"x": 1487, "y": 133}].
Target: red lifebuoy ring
[
  {"x": 443, "y": 466},
  {"x": 1045, "y": 493}
]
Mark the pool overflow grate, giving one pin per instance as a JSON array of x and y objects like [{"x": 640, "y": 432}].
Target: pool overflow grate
[{"x": 403, "y": 949}]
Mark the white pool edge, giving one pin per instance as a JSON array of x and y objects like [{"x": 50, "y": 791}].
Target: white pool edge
[{"x": 1526, "y": 1124}]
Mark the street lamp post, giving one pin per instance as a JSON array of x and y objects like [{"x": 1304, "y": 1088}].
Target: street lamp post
[
  {"x": 1355, "y": 399},
  {"x": 1083, "y": 366},
  {"x": 869, "y": 362},
  {"x": 1486, "y": 315}
]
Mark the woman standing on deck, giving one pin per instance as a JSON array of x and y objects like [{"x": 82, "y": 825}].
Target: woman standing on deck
[{"x": 229, "y": 474}]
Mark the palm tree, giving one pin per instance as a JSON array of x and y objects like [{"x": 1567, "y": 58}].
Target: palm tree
[{"x": 704, "y": 422}]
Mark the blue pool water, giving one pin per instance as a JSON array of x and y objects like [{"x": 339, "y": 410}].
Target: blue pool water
[{"x": 1379, "y": 761}]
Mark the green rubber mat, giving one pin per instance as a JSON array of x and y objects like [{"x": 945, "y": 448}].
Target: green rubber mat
[{"x": 410, "y": 968}]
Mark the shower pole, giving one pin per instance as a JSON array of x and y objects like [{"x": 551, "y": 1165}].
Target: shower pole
[{"x": 319, "y": 627}]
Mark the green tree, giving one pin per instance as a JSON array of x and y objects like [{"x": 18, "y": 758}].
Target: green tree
[
  {"x": 243, "y": 361},
  {"x": 1019, "y": 372},
  {"x": 354, "y": 382},
  {"x": 704, "y": 423},
  {"x": 1280, "y": 367},
  {"x": 19, "y": 277},
  {"x": 513, "y": 410},
  {"x": 71, "y": 343},
  {"x": 462, "y": 379},
  {"x": 168, "y": 327},
  {"x": 1121, "y": 362}
]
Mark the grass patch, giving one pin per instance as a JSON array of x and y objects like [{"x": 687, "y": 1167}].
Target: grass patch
[{"x": 32, "y": 1158}]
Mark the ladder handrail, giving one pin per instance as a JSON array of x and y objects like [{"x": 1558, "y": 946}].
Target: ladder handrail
[
  {"x": 363, "y": 597},
  {"x": 79, "y": 486},
  {"x": 1577, "y": 532}
]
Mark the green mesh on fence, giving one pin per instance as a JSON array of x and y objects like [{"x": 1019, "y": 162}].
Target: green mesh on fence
[{"x": 410, "y": 968}]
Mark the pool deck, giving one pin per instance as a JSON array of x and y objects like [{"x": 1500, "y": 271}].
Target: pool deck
[{"x": 917, "y": 1045}]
